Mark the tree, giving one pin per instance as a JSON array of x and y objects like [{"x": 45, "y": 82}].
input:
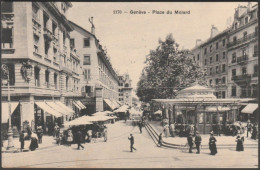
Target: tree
[{"x": 167, "y": 70}]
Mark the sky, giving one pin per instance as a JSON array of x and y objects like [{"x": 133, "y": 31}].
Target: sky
[{"x": 128, "y": 38}]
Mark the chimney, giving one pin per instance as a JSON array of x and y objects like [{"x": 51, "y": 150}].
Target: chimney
[
  {"x": 214, "y": 31},
  {"x": 249, "y": 6},
  {"x": 92, "y": 26},
  {"x": 198, "y": 42}
]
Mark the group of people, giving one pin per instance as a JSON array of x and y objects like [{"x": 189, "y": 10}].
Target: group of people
[{"x": 29, "y": 135}]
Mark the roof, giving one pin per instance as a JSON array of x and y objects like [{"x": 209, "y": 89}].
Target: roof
[
  {"x": 74, "y": 24},
  {"x": 200, "y": 101}
]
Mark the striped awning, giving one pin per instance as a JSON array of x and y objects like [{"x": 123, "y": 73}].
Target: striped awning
[
  {"x": 59, "y": 108},
  {"x": 110, "y": 104},
  {"x": 65, "y": 107},
  {"x": 79, "y": 105},
  {"x": 48, "y": 109},
  {"x": 5, "y": 110},
  {"x": 250, "y": 108}
]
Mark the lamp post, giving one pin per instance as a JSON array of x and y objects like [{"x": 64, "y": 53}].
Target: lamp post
[{"x": 5, "y": 72}]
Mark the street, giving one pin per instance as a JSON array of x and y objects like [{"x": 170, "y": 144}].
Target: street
[{"x": 115, "y": 153}]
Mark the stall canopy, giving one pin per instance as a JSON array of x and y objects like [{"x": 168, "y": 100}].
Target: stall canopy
[
  {"x": 158, "y": 112},
  {"x": 110, "y": 104},
  {"x": 48, "y": 109},
  {"x": 250, "y": 108},
  {"x": 5, "y": 110},
  {"x": 78, "y": 121},
  {"x": 58, "y": 108},
  {"x": 65, "y": 107},
  {"x": 115, "y": 103}
]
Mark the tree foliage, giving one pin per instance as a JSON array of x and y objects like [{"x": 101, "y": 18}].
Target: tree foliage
[{"x": 167, "y": 70}]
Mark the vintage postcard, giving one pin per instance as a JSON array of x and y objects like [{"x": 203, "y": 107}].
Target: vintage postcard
[{"x": 129, "y": 84}]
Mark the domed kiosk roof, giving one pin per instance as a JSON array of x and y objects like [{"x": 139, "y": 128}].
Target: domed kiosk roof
[{"x": 196, "y": 91}]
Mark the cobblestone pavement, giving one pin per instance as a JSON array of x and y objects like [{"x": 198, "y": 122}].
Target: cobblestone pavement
[{"x": 115, "y": 153}]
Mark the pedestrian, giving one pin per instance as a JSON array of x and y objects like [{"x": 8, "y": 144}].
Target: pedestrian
[
  {"x": 212, "y": 144},
  {"x": 166, "y": 130},
  {"x": 39, "y": 133},
  {"x": 131, "y": 138},
  {"x": 198, "y": 142},
  {"x": 160, "y": 140},
  {"x": 190, "y": 142},
  {"x": 78, "y": 139},
  {"x": 34, "y": 142},
  {"x": 70, "y": 137},
  {"x": 248, "y": 127},
  {"x": 21, "y": 139},
  {"x": 240, "y": 146},
  {"x": 254, "y": 133},
  {"x": 218, "y": 129},
  {"x": 89, "y": 133},
  {"x": 105, "y": 134},
  {"x": 172, "y": 127},
  {"x": 56, "y": 130},
  {"x": 140, "y": 125}
]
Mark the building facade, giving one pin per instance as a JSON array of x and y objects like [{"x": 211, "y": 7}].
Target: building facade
[
  {"x": 231, "y": 56},
  {"x": 99, "y": 81},
  {"x": 125, "y": 90},
  {"x": 243, "y": 53},
  {"x": 42, "y": 68}
]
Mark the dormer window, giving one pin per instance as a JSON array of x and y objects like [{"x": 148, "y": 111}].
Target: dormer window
[
  {"x": 63, "y": 7},
  {"x": 246, "y": 20},
  {"x": 236, "y": 25}
]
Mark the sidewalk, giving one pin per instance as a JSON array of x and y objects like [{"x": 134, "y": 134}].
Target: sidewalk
[
  {"x": 47, "y": 142},
  {"x": 221, "y": 140}
]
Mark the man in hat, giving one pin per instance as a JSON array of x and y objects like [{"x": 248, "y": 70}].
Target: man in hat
[
  {"x": 249, "y": 126},
  {"x": 190, "y": 142},
  {"x": 140, "y": 125},
  {"x": 131, "y": 138},
  {"x": 160, "y": 140},
  {"x": 198, "y": 141}
]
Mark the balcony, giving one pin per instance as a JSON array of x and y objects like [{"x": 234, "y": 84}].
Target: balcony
[
  {"x": 242, "y": 60},
  {"x": 36, "y": 18},
  {"x": 7, "y": 17},
  {"x": 47, "y": 34},
  {"x": 64, "y": 50},
  {"x": 242, "y": 40},
  {"x": 55, "y": 41},
  {"x": 242, "y": 79}
]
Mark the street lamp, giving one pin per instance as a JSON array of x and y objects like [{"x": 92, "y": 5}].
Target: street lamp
[{"x": 5, "y": 73}]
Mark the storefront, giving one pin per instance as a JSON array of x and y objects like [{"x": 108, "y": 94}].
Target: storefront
[{"x": 198, "y": 106}]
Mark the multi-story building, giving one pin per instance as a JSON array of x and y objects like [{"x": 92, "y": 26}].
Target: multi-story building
[
  {"x": 99, "y": 82},
  {"x": 231, "y": 56},
  {"x": 44, "y": 73},
  {"x": 243, "y": 53},
  {"x": 214, "y": 57},
  {"x": 125, "y": 90}
]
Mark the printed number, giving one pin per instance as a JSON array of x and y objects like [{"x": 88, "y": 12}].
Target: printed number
[{"x": 117, "y": 12}]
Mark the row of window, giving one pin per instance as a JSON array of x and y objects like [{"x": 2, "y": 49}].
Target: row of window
[
  {"x": 216, "y": 45},
  {"x": 245, "y": 20},
  {"x": 217, "y": 58},
  {"x": 246, "y": 91},
  {"x": 86, "y": 43},
  {"x": 244, "y": 70},
  {"x": 217, "y": 69},
  {"x": 218, "y": 81}
]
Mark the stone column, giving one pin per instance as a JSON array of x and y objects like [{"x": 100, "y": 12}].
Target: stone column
[
  {"x": 27, "y": 111},
  {"x": 99, "y": 99}
]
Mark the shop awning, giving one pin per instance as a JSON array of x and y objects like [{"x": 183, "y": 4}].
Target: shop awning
[
  {"x": 5, "y": 110},
  {"x": 250, "y": 108},
  {"x": 80, "y": 104},
  {"x": 115, "y": 103},
  {"x": 58, "y": 108},
  {"x": 65, "y": 107},
  {"x": 48, "y": 109},
  {"x": 78, "y": 121},
  {"x": 110, "y": 104},
  {"x": 215, "y": 109},
  {"x": 77, "y": 106}
]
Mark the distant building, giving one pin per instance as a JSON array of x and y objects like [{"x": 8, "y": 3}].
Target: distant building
[
  {"x": 125, "y": 90},
  {"x": 99, "y": 81}
]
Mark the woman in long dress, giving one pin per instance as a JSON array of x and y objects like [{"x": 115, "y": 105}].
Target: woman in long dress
[
  {"x": 34, "y": 142},
  {"x": 212, "y": 144},
  {"x": 70, "y": 137},
  {"x": 240, "y": 146}
]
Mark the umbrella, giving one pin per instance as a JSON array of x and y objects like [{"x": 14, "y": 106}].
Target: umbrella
[{"x": 158, "y": 112}]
